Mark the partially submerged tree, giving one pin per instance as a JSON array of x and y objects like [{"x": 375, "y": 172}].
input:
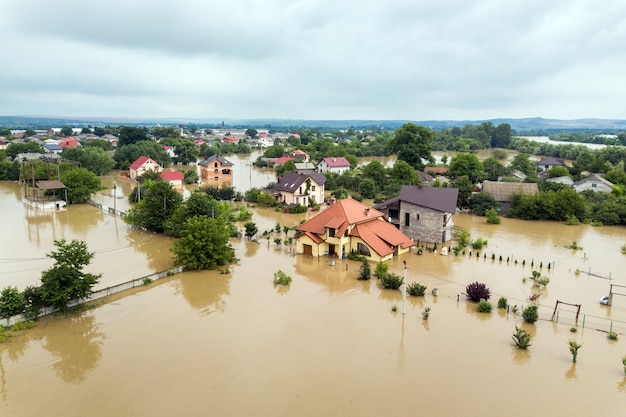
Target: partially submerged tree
[
  {"x": 204, "y": 244},
  {"x": 65, "y": 280},
  {"x": 521, "y": 338}
]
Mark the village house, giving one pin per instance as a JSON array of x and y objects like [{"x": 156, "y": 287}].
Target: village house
[
  {"x": 51, "y": 148},
  {"x": 175, "y": 178},
  {"x": 594, "y": 182},
  {"x": 422, "y": 213},
  {"x": 305, "y": 167},
  {"x": 350, "y": 226},
  {"x": 337, "y": 165},
  {"x": 548, "y": 162},
  {"x": 503, "y": 192},
  {"x": 216, "y": 167},
  {"x": 565, "y": 180},
  {"x": 169, "y": 150},
  {"x": 68, "y": 143},
  {"x": 303, "y": 189},
  {"x": 143, "y": 164}
]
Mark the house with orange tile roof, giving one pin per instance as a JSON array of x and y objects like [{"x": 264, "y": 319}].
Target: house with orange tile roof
[
  {"x": 143, "y": 164},
  {"x": 68, "y": 143},
  {"x": 216, "y": 167},
  {"x": 176, "y": 178},
  {"x": 350, "y": 226}
]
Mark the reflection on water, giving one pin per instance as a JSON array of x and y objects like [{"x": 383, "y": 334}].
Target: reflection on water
[
  {"x": 76, "y": 349},
  {"x": 571, "y": 372},
  {"x": 205, "y": 291}
]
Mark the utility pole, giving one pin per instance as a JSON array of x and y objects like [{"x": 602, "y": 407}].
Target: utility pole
[{"x": 404, "y": 290}]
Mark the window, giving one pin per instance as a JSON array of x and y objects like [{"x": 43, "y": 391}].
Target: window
[
  {"x": 362, "y": 249},
  {"x": 215, "y": 165},
  {"x": 594, "y": 185},
  {"x": 312, "y": 188},
  {"x": 300, "y": 190},
  {"x": 417, "y": 216},
  {"x": 331, "y": 232},
  {"x": 406, "y": 219}
]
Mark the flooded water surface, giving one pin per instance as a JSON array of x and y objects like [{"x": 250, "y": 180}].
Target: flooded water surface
[{"x": 214, "y": 344}]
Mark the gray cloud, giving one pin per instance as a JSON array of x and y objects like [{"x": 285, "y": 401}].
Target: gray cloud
[{"x": 313, "y": 58}]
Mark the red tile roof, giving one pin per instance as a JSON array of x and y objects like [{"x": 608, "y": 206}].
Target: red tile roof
[
  {"x": 172, "y": 175},
  {"x": 68, "y": 143},
  {"x": 337, "y": 162},
  {"x": 283, "y": 159},
  {"x": 139, "y": 162}
]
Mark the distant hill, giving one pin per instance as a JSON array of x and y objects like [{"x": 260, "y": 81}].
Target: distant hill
[{"x": 536, "y": 125}]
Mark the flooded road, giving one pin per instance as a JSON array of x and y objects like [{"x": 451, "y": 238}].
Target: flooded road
[{"x": 211, "y": 344}]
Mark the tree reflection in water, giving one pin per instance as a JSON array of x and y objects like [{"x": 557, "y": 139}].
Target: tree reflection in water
[
  {"x": 205, "y": 290},
  {"x": 77, "y": 347}
]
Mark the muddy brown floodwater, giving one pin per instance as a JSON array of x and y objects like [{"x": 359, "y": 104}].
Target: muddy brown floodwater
[{"x": 211, "y": 344}]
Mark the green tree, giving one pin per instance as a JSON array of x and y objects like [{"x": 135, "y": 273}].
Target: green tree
[
  {"x": 12, "y": 302},
  {"x": 365, "y": 272},
  {"x": 198, "y": 204},
  {"x": 186, "y": 151},
  {"x": 412, "y": 143},
  {"x": 204, "y": 244},
  {"x": 165, "y": 132},
  {"x": 251, "y": 133},
  {"x": 573, "y": 349},
  {"x": 93, "y": 158},
  {"x": 251, "y": 229},
  {"x": 493, "y": 169},
  {"x": 481, "y": 202},
  {"x": 81, "y": 184},
  {"x": 157, "y": 205},
  {"x": 492, "y": 216},
  {"x": 467, "y": 164},
  {"x": 65, "y": 280},
  {"x": 130, "y": 135},
  {"x": 367, "y": 188},
  {"x": 522, "y": 162},
  {"x": 28, "y": 147},
  {"x": 376, "y": 171},
  {"x": 66, "y": 131},
  {"x": 404, "y": 173},
  {"x": 465, "y": 187},
  {"x": 558, "y": 171},
  {"x": 501, "y": 136}
]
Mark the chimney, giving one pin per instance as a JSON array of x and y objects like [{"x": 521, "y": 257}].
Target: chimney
[
  {"x": 334, "y": 159},
  {"x": 367, "y": 211}
]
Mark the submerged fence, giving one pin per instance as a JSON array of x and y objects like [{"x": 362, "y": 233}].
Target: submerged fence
[{"x": 104, "y": 292}]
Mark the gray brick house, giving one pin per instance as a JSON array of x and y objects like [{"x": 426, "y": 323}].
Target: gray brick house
[{"x": 422, "y": 213}]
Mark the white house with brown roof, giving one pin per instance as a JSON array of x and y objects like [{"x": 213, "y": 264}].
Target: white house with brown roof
[
  {"x": 338, "y": 165},
  {"x": 303, "y": 189},
  {"x": 143, "y": 164},
  {"x": 594, "y": 182},
  {"x": 423, "y": 213},
  {"x": 350, "y": 226}
]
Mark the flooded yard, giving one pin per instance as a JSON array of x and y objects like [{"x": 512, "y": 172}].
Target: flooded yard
[{"x": 211, "y": 344}]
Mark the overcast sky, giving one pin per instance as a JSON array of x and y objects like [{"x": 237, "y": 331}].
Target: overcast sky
[{"x": 314, "y": 59}]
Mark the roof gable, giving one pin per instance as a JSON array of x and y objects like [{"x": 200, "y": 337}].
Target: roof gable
[
  {"x": 292, "y": 180},
  {"x": 343, "y": 213},
  {"x": 139, "y": 162}
]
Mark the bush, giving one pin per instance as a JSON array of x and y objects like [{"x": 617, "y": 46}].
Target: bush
[
  {"x": 479, "y": 243},
  {"x": 12, "y": 302},
  {"x": 611, "y": 336},
  {"x": 365, "y": 272},
  {"x": 484, "y": 306},
  {"x": 280, "y": 278},
  {"x": 353, "y": 256},
  {"x": 391, "y": 281},
  {"x": 530, "y": 313},
  {"x": 382, "y": 270},
  {"x": 477, "y": 291},
  {"x": 492, "y": 216},
  {"x": 426, "y": 314},
  {"x": 416, "y": 289},
  {"x": 521, "y": 338},
  {"x": 503, "y": 303}
]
